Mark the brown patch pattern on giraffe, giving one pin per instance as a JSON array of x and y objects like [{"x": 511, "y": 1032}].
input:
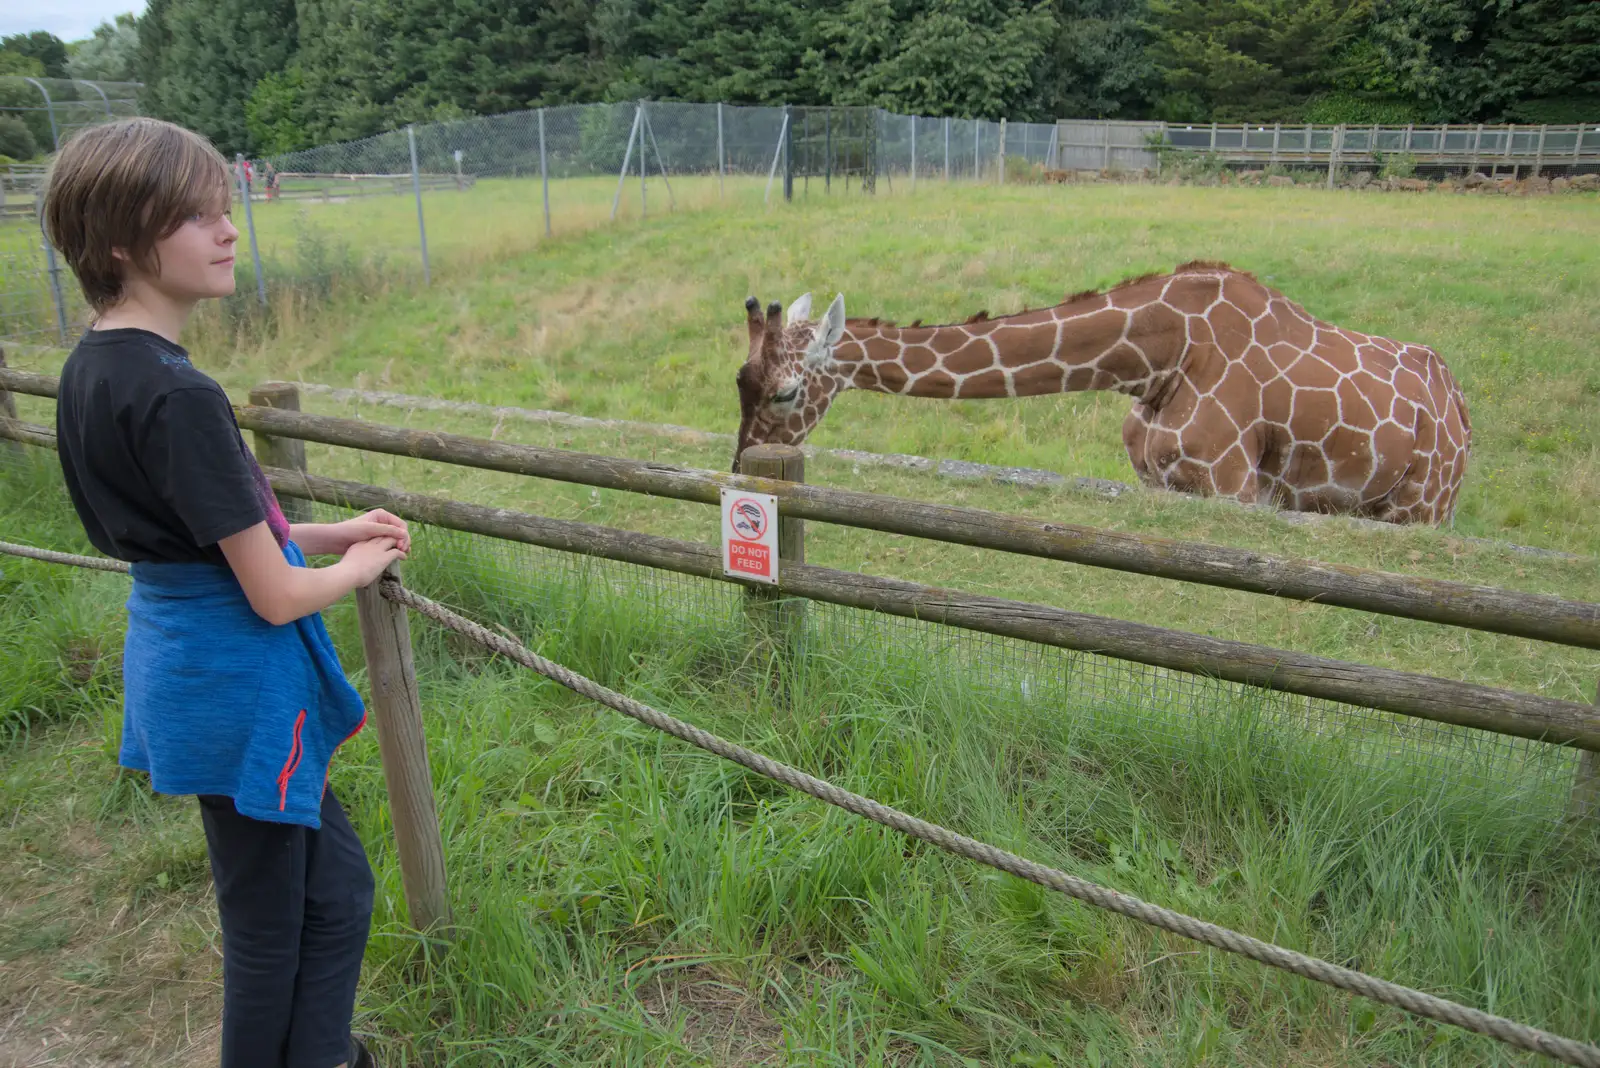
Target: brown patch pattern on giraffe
[{"x": 1238, "y": 391}]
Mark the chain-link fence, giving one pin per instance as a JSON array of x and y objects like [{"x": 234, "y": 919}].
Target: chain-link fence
[
  {"x": 37, "y": 115},
  {"x": 409, "y": 201},
  {"x": 402, "y": 205}
]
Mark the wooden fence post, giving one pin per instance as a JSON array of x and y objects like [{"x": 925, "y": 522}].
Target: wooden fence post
[
  {"x": 397, "y": 712},
  {"x": 1585, "y": 803},
  {"x": 784, "y": 616},
  {"x": 287, "y": 453},
  {"x": 8, "y": 409}
]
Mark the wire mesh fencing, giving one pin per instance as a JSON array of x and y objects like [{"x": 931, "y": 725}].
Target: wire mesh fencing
[
  {"x": 395, "y": 208},
  {"x": 1117, "y": 710},
  {"x": 53, "y": 109},
  {"x": 1120, "y": 710},
  {"x": 38, "y": 298}
]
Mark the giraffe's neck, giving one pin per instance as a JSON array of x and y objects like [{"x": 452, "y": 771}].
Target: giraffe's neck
[{"x": 1056, "y": 350}]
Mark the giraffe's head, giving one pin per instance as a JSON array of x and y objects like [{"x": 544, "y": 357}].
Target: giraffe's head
[{"x": 789, "y": 377}]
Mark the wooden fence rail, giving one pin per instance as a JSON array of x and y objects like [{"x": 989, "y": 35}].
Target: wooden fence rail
[
  {"x": 1516, "y": 613},
  {"x": 1386, "y": 690},
  {"x": 1099, "y": 144}
]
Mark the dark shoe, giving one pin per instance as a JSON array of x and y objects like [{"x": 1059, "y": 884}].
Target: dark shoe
[{"x": 360, "y": 1055}]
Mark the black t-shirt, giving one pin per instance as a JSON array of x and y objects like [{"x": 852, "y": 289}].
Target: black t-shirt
[{"x": 153, "y": 459}]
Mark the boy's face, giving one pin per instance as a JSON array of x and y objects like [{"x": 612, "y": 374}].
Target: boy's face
[{"x": 196, "y": 260}]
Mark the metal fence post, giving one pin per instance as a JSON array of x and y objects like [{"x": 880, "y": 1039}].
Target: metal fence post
[
  {"x": 1333, "y": 152},
  {"x": 50, "y": 110},
  {"x": 1002, "y": 151},
  {"x": 947, "y": 148},
  {"x": 644, "y": 208},
  {"x": 914, "y": 123},
  {"x": 777, "y": 151},
  {"x": 788, "y": 152},
  {"x": 397, "y": 712},
  {"x": 250, "y": 227},
  {"x": 827, "y": 151},
  {"x": 544, "y": 175},
  {"x": 721, "y": 155},
  {"x": 627, "y": 157},
  {"x": 977, "y": 133},
  {"x": 57, "y": 298},
  {"x": 648, "y": 127},
  {"x": 105, "y": 101},
  {"x": 286, "y": 453},
  {"x": 416, "y": 189}
]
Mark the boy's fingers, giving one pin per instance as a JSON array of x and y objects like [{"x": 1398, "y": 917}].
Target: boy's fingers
[
  {"x": 379, "y": 515},
  {"x": 367, "y": 530}
]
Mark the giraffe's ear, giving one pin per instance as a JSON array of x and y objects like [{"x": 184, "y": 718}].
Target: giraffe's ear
[
  {"x": 799, "y": 310},
  {"x": 829, "y": 331}
]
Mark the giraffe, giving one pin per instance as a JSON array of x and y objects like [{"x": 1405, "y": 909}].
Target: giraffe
[{"x": 1238, "y": 392}]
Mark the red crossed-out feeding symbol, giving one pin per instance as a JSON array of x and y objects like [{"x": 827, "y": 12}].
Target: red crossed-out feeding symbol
[{"x": 748, "y": 518}]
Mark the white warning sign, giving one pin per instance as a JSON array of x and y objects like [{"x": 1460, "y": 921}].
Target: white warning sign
[{"x": 750, "y": 535}]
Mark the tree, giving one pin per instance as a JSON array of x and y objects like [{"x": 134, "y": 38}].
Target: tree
[
  {"x": 111, "y": 54},
  {"x": 15, "y": 63},
  {"x": 201, "y": 59},
  {"x": 1099, "y": 64},
  {"x": 275, "y": 113},
  {"x": 16, "y": 140},
  {"x": 964, "y": 58},
  {"x": 1255, "y": 60},
  {"x": 367, "y": 65},
  {"x": 737, "y": 51},
  {"x": 47, "y": 48},
  {"x": 1494, "y": 60}
]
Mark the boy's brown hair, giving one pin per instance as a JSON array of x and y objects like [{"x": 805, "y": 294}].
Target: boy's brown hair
[{"x": 126, "y": 185}]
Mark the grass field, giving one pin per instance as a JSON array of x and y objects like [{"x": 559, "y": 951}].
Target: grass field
[
  {"x": 645, "y": 322},
  {"x": 623, "y": 900},
  {"x": 633, "y": 904}
]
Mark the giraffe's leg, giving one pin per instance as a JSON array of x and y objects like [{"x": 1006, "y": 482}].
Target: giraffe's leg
[
  {"x": 1237, "y": 472},
  {"x": 1135, "y": 438},
  {"x": 1193, "y": 447},
  {"x": 1408, "y": 501}
]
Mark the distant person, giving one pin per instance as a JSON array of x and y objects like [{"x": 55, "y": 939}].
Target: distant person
[{"x": 233, "y": 691}]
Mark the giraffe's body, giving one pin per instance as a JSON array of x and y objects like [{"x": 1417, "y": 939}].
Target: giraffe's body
[{"x": 1238, "y": 392}]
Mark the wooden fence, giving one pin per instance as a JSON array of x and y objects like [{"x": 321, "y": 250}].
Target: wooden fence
[
  {"x": 1104, "y": 145},
  {"x": 280, "y": 430},
  {"x": 306, "y": 185}
]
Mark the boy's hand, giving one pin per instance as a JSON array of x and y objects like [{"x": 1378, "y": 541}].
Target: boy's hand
[
  {"x": 374, "y": 524},
  {"x": 367, "y": 559}
]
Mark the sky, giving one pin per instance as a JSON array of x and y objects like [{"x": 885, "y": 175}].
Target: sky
[{"x": 67, "y": 19}]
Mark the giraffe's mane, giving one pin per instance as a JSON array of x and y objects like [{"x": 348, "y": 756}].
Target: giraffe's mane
[{"x": 1191, "y": 267}]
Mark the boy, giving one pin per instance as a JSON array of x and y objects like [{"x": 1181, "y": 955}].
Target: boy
[{"x": 232, "y": 690}]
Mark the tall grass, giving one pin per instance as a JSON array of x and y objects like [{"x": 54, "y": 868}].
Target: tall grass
[{"x": 623, "y": 899}]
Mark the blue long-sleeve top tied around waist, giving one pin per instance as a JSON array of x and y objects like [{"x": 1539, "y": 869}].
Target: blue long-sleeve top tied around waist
[{"x": 219, "y": 701}]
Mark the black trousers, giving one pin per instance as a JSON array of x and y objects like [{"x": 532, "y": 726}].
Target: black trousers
[{"x": 296, "y": 907}]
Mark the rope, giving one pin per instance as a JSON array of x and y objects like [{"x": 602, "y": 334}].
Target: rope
[
  {"x": 1414, "y": 1001},
  {"x": 1565, "y": 1050},
  {"x": 49, "y": 556}
]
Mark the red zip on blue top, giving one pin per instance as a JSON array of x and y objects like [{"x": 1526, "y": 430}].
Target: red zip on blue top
[{"x": 289, "y": 766}]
